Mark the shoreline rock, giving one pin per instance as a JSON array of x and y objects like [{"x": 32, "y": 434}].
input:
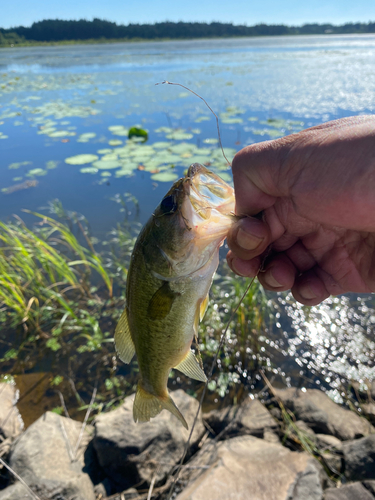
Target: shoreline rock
[{"x": 233, "y": 451}]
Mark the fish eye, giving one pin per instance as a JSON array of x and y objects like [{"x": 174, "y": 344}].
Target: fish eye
[{"x": 168, "y": 204}]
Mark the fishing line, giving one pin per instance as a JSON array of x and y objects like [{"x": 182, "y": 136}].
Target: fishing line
[
  {"x": 212, "y": 111},
  {"x": 221, "y": 343}
]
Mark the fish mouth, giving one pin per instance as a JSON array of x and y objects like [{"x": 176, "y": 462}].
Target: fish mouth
[{"x": 208, "y": 204}]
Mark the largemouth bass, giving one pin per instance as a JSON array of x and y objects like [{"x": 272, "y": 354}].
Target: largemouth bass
[{"x": 170, "y": 274}]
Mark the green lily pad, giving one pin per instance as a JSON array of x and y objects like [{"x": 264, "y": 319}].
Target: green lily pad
[
  {"x": 202, "y": 119},
  {"x": 61, "y": 133},
  {"x": 19, "y": 164},
  {"x": 138, "y": 132},
  {"x": 106, "y": 164},
  {"x": 211, "y": 140},
  {"x": 36, "y": 171},
  {"x": 86, "y": 137},
  {"x": 161, "y": 145},
  {"x": 81, "y": 159},
  {"x": 229, "y": 120},
  {"x": 166, "y": 130},
  {"x": 179, "y": 136},
  {"x": 114, "y": 142},
  {"x": 104, "y": 151},
  {"x": 51, "y": 164},
  {"x": 118, "y": 130},
  {"x": 89, "y": 170},
  {"x": 164, "y": 177},
  {"x": 123, "y": 173},
  {"x": 109, "y": 157},
  {"x": 105, "y": 174}
]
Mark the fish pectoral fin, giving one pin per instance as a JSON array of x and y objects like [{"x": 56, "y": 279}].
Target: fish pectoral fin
[
  {"x": 147, "y": 406},
  {"x": 161, "y": 302},
  {"x": 123, "y": 341},
  {"x": 203, "y": 307},
  {"x": 190, "y": 367}
]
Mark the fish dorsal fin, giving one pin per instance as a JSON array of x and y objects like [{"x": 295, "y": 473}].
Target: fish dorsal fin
[
  {"x": 123, "y": 341},
  {"x": 161, "y": 302},
  {"x": 203, "y": 308},
  {"x": 190, "y": 367}
]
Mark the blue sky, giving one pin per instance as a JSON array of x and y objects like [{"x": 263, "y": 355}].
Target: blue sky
[{"x": 25, "y": 12}]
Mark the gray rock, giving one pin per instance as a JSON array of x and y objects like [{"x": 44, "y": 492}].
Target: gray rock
[
  {"x": 42, "y": 456},
  {"x": 327, "y": 442},
  {"x": 16, "y": 492},
  {"x": 359, "y": 456},
  {"x": 369, "y": 410},
  {"x": 355, "y": 491},
  {"x": 11, "y": 423},
  {"x": 370, "y": 486},
  {"x": 333, "y": 462},
  {"x": 324, "y": 416},
  {"x": 250, "y": 417},
  {"x": 130, "y": 453},
  {"x": 246, "y": 467}
]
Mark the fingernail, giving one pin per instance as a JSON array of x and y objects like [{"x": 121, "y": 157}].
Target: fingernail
[
  {"x": 232, "y": 263},
  {"x": 270, "y": 280},
  {"x": 306, "y": 292},
  {"x": 248, "y": 241}
]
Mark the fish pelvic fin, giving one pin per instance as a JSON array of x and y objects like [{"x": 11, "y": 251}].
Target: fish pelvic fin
[
  {"x": 147, "y": 406},
  {"x": 123, "y": 341},
  {"x": 190, "y": 367}
]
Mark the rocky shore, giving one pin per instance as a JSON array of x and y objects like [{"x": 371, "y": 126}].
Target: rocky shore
[{"x": 298, "y": 445}]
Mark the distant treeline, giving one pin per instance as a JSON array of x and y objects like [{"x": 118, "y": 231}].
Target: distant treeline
[{"x": 55, "y": 30}]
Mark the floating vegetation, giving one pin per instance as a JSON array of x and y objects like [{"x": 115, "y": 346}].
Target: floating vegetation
[
  {"x": 86, "y": 137},
  {"x": 19, "y": 164},
  {"x": 81, "y": 159},
  {"x": 138, "y": 132},
  {"x": 164, "y": 177},
  {"x": 36, "y": 172}
]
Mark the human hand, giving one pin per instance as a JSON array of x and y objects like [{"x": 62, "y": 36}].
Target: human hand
[{"x": 316, "y": 191}]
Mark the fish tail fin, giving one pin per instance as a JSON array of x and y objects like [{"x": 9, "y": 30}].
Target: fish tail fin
[{"x": 147, "y": 406}]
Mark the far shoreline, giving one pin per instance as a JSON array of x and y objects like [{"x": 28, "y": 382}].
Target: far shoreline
[{"x": 101, "y": 41}]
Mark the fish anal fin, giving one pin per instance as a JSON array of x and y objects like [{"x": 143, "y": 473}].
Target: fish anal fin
[
  {"x": 147, "y": 406},
  {"x": 123, "y": 341},
  {"x": 203, "y": 307},
  {"x": 161, "y": 302},
  {"x": 190, "y": 367}
]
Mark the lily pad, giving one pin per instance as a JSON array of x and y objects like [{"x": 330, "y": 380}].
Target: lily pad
[
  {"x": 86, "y": 137},
  {"x": 138, "y": 132},
  {"x": 81, "y": 159},
  {"x": 106, "y": 164},
  {"x": 179, "y": 135},
  {"x": 109, "y": 157},
  {"x": 164, "y": 177},
  {"x": 51, "y": 164},
  {"x": 36, "y": 171},
  {"x": 105, "y": 174},
  {"x": 61, "y": 133},
  {"x": 104, "y": 151},
  {"x": 89, "y": 170},
  {"x": 114, "y": 142}
]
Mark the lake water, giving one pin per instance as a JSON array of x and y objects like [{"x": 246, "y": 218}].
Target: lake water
[
  {"x": 60, "y": 102},
  {"x": 50, "y": 96}
]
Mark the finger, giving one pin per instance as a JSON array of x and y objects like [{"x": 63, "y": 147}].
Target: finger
[
  {"x": 248, "y": 268},
  {"x": 279, "y": 274},
  {"x": 248, "y": 238},
  {"x": 301, "y": 257},
  {"x": 309, "y": 289}
]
